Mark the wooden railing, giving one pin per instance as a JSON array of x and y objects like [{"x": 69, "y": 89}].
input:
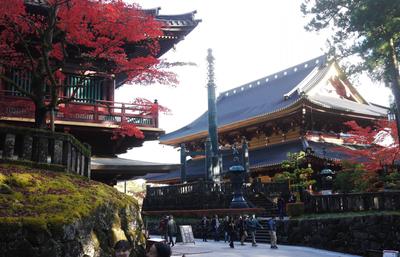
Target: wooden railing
[
  {"x": 353, "y": 202},
  {"x": 201, "y": 195},
  {"x": 104, "y": 112},
  {"x": 54, "y": 150}
]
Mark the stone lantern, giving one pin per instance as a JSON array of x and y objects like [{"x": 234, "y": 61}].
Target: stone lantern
[{"x": 237, "y": 176}]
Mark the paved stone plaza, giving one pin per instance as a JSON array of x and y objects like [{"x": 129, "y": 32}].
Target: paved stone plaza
[{"x": 222, "y": 249}]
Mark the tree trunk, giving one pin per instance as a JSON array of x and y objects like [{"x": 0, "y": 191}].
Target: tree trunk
[
  {"x": 393, "y": 70},
  {"x": 40, "y": 116}
]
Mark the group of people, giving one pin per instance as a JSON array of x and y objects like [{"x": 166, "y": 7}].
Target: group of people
[
  {"x": 168, "y": 229},
  {"x": 236, "y": 229}
]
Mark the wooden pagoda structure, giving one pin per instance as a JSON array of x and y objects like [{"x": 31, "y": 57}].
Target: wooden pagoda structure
[
  {"x": 94, "y": 115},
  {"x": 301, "y": 108}
]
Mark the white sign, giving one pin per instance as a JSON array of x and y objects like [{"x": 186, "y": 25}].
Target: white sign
[{"x": 390, "y": 253}]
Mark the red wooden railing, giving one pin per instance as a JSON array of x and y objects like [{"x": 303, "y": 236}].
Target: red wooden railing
[{"x": 103, "y": 112}]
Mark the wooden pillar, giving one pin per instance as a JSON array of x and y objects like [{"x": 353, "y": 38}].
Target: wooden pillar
[{"x": 183, "y": 163}]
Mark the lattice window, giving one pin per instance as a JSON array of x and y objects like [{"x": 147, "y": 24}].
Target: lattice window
[{"x": 88, "y": 89}]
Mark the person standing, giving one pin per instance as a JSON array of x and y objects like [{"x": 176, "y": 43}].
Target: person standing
[
  {"x": 204, "y": 228},
  {"x": 252, "y": 226},
  {"x": 162, "y": 227},
  {"x": 272, "y": 232},
  {"x": 281, "y": 207},
  {"x": 215, "y": 226},
  {"x": 172, "y": 229},
  {"x": 231, "y": 232}
]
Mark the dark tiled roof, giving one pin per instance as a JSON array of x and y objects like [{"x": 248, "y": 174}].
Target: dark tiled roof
[
  {"x": 332, "y": 151},
  {"x": 256, "y": 98},
  {"x": 264, "y": 157},
  {"x": 348, "y": 106}
]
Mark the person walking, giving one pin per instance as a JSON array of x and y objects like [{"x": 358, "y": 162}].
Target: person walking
[
  {"x": 231, "y": 232},
  {"x": 172, "y": 229},
  {"x": 242, "y": 227},
  {"x": 252, "y": 226},
  {"x": 215, "y": 224},
  {"x": 272, "y": 232},
  {"x": 204, "y": 228},
  {"x": 225, "y": 226}
]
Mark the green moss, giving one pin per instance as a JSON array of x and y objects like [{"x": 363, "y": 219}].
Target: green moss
[
  {"x": 5, "y": 189},
  {"x": 43, "y": 199}
]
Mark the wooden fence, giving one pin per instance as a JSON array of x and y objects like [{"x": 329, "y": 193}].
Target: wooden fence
[
  {"x": 44, "y": 147},
  {"x": 202, "y": 195},
  {"x": 353, "y": 202}
]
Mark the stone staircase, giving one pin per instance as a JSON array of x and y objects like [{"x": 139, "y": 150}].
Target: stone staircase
[{"x": 261, "y": 201}]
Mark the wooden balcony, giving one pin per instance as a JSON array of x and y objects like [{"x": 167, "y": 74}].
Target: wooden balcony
[{"x": 96, "y": 112}]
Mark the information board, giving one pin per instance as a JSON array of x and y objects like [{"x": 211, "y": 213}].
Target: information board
[{"x": 187, "y": 234}]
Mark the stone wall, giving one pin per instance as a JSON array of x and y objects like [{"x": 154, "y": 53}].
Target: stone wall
[
  {"x": 353, "y": 235},
  {"x": 94, "y": 236}
]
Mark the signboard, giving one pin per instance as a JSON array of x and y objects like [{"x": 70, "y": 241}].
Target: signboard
[
  {"x": 390, "y": 253},
  {"x": 187, "y": 234}
]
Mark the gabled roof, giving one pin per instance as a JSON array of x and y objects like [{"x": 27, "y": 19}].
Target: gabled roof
[
  {"x": 274, "y": 93},
  {"x": 257, "y": 98}
]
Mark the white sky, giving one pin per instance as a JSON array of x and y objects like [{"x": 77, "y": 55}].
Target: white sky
[{"x": 250, "y": 39}]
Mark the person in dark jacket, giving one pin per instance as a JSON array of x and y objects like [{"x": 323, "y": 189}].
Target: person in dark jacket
[
  {"x": 225, "y": 226},
  {"x": 281, "y": 207},
  {"x": 272, "y": 232},
  {"x": 252, "y": 226},
  {"x": 204, "y": 228},
  {"x": 242, "y": 227},
  {"x": 162, "y": 227},
  {"x": 172, "y": 229}
]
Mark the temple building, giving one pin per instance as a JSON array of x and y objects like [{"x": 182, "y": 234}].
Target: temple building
[
  {"x": 93, "y": 116},
  {"x": 302, "y": 108}
]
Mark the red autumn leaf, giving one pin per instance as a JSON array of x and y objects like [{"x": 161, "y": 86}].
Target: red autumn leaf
[{"x": 375, "y": 146}]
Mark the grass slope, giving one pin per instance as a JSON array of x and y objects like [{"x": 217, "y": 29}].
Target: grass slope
[{"x": 42, "y": 198}]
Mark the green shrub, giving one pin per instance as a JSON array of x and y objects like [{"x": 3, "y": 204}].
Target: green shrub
[{"x": 295, "y": 209}]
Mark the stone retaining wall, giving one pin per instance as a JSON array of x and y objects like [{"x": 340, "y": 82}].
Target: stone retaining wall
[{"x": 354, "y": 235}]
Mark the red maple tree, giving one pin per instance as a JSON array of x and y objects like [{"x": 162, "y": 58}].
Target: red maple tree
[
  {"x": 49, "y": 38},
  {"x": 375, "y": 146}
]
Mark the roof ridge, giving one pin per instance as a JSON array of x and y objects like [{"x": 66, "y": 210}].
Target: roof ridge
[{"x": 320, "y": 60}]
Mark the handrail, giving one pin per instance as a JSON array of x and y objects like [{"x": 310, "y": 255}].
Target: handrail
[
  {"x": 100, "y": 111},
  {"x": 367, "y": 201},
  {"x": 44, "y": 147},
  {"x": 202, "y": 195}
]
